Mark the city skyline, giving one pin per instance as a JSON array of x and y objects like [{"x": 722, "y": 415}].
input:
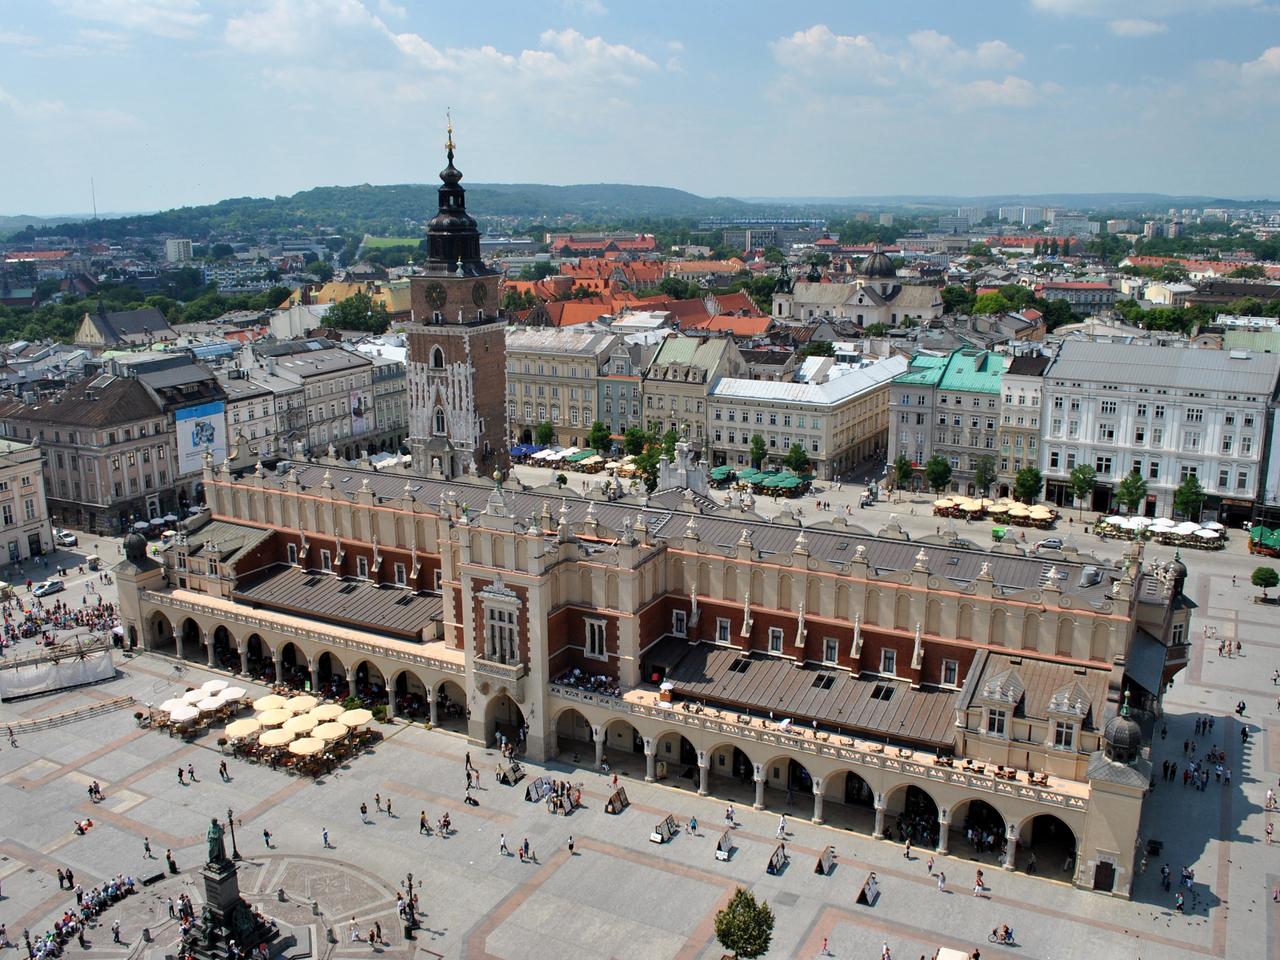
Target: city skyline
[{"x": 165, "y": 103}]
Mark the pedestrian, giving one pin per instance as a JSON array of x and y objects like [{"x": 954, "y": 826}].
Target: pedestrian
[
  {"x": 1270, "y": 827},
  {"x": 942, "y": 882},
  {"x": 191, "y": 772},
  {"x": 825, "y": 951},
  {"x": 115, "y": 931},
  {"x": 693, "y": 825},
  {"x": 377, "y": 802},
  {"x": 388, "y": 806},
  {"x": 929, "y": 866},
  {"x": 1233, "y": 580},
  {"x": 571, "y": 845},
  {"x": 62, "y": 878},
  {"x": 782, "y": 826},
  {"x": 1031, "y": 862},
  {"x": 266, "y": 837},
  {"x": 355, "y": 931},
  {"x": 377, "y": 930},
  {"x": 364, "y": 813},
  {"x": 906, "y": 853},
  {"x": 146, "y": 848},
  {"x": 502, "y": 846},
  {"x": 422, "y": 823},
  {"x": 172, "y": 912},
  {"x": 180, "y": 777},
  {"x": 222, "y": 772},
  {"x": 324, "y": 837}
]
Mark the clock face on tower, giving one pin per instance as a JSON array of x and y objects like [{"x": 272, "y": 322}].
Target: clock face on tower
[
  {"x": 479, "y": 293},
  {"x": 436, "y": 295}
]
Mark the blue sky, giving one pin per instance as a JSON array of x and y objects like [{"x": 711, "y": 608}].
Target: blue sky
[{"x": 170, "y": 102}]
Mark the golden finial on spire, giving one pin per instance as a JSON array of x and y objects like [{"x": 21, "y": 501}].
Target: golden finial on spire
[{"x": 449, "y": 118}]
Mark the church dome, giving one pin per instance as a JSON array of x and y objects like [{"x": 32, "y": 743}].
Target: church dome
[
  {"x": 878, "y": 266},
  {"x": 1122, "y": 737}
]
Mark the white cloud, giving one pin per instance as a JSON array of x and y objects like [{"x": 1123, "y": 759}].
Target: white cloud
[
  {"x": 1265, "y": 68},
  {"x": 1009, "y": 92},
  {"x": 164, "y": 18},
  {"x": 593, "y": 7},
  {"x": 1137, "y": 28},
  {"x": 15, "y": 38}
]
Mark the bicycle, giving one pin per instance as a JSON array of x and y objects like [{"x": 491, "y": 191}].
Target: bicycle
[{"x": 994, "y": 937}]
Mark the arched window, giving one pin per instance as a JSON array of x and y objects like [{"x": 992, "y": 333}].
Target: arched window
[
  {"x": 437, "y": 358},
  {"x": 439, "y": 422}
]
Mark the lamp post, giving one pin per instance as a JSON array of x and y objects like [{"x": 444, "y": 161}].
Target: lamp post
[
  {"x": 231, "y": 822},
  {"x": 412, "y": 920}
]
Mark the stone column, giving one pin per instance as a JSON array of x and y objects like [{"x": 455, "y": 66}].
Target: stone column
[
  {"x": 391, "y": 702},
  {"x": 1011, "y": 850},
  {"x": 279, "y": 665},
  {"x": 759, "y": 778},
  {"x": 878, "y": 833},
  {"x": 244, "y": 658},
  {"x": 351, "y": 683},
  {"x": 704, "y": 773},
  {"x": 208, "y": 648},
  {"x": 433, "y": 714},
  {"x": 314, "y": 664},
  {"x": 944, "y": 829},
  {"x": 597, "y": 734},
  {"x": 817, "y": 800},
  {"x": 650, "y": 753}
]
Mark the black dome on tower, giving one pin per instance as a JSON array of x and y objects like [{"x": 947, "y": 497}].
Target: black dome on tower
[
  {"x": 877, "y": 265},
  {"x": 453, "y": 239}
]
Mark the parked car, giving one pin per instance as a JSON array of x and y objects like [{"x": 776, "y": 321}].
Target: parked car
[
  {"x": 1050, "y": 543},
  {"x": 46, "y": 587},
  {"x": 65, "y": 538}
]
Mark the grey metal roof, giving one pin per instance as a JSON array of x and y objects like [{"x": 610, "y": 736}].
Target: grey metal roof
[
  {"x": 1045, "y": 684},
  {"x": 225, "y": 537},
  {"x": 384, "y": 608},
  {"x": 878, "y": 706},
  {"x": 1183, "y": 368}
]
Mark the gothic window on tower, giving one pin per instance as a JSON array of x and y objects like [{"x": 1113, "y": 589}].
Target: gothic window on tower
[
  {"x": 437, "y": 358},
  {"x": 439, "y": 422},
  {"x": 500, "y": 634}
]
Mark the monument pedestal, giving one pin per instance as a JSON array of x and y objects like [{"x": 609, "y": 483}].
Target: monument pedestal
[{"x": 226, "y": 916}]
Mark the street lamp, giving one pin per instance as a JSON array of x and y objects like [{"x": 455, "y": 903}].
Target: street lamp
[
  {"x": 231, "y": 822},
  {"x": 412, "y": 921}
]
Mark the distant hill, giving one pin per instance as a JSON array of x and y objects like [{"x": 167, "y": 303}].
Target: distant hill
[{"x": 388, "y": 209}]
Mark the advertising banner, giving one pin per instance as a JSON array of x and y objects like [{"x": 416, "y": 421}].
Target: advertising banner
[
  {"x": 200, "y": 428},
  {"x": 361, "y": 412}
]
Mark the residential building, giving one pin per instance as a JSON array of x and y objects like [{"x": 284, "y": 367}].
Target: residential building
[
  {"x": 1168, "y": 294},
  {"x": 238, "y": 274},
  {"x": 679, "y": 379},
  {"x": 251, "y": 413},
  {"x": 1165, "y": 412},
  {"x": 177, "y": 251},
  {"x": 875, "y": 297},
  {"x": 551, "y": 378},
  {"x": 390, "y": 405},
  {"x": 338, "y": 388},
  {"x": 25, "y": 530},
  {"x": 620, "y": 380},
  {"x": 1083, "y": 296},
  {"x": 1020, "y": 428},
  {"x": 947, "y": 406},
  {"x": 837, "y": 412},
  {"x": 101, "y": 330}
]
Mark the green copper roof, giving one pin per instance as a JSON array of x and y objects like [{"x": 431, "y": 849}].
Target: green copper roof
[
  {"x": 973, "y": 371},
  {"x": 925, "y": 370}
]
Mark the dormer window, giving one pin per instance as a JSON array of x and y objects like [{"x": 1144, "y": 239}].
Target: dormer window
[{"x": 996, "y": 720}]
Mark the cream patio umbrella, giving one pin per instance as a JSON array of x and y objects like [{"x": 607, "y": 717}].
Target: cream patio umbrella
[
  {"x": 306, "y": 747},
  {"x": 214, "y": 686},
  {"x": 243, "y": 728},
  {"x": 233, "y": 693},
  {"x": 209, "y": 704},
  {"x": 301, "y": 703},
  {"x": 302, "y": 723},
  {"x": 330, "y": 731},
  {"x": 275, "y": 738},
  {"x": 194, "y": 696},
  {"x": 272, "y": 701},
  {"x": 328, "y": 711},
  {"x": 355, "y": 718},
  {"x": 173, "y": 704},
  {"x": 273, "y": 718},
  {"x": 184, "y": 713}
]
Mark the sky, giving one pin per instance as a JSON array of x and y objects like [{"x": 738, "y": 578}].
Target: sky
[{"x": 165, "y": 103}]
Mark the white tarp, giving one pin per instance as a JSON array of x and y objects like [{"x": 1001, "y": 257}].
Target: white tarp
[{"x": 47, "y": 676}]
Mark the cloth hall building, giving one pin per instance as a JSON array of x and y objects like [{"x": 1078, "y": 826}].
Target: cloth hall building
[{"x": 889, "y": 687}]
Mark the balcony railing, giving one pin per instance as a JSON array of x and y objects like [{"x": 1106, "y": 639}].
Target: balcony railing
[
  {"x": 509, "y": 672},
  {"x": 840, "y": 747}
]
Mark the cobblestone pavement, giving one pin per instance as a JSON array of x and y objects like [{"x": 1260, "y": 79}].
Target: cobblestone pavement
[{"x": 619, "y": 896}]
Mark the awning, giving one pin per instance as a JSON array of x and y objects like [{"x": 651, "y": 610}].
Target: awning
[{"x": 1145, "y": 666}]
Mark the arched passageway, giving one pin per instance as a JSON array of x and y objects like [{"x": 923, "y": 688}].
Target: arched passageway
[
  {"x": 160, "y": 634},
  {"x": 224, "y": 649},
  {"x": 332, "y": 676},
  {"x": 502, "y": 715},
  {"x": 978, "y": 831},
  {"x": 1051, "y": 843},
  {"x": 574, "y": 741},
  {"x": 293, "y": 666},
  {"x": 411, "y": 696},
  {"x": 850, "y": 802},
  {"x": 911, "y": 814},
  {"x": 258, "y": 661},
  {"x": 677, "y": 761},
  {"x": 193, "y": 642},
  {"x": 451, "y": 707},
  {"x": 371, "y": 685}
]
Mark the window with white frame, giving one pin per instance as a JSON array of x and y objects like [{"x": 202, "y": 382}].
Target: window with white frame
[
  {"x": 595, "y": 640},
  {"x": 722, "y": 629},
  {"x": 362, "y": 567},
  {"x": 291, "y": 551},
  {"x": 996, "y": 722},
  {"x": 1064, "y": 735},
  {"x": 889, "y": 661},
  {"x": 775, "y": 639},
  {"x": 500, "y": 633},
  {"x": 950, "y": 673},
  {"x": 679, "y": 623},
  {"x": 830, "y": 649}
]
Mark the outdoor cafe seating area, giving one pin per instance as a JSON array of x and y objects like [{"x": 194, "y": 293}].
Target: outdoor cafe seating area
[
  {"x": 761, "y": 482},
  {"x": 1001, "y": 511},
  {"x": 572, "y": 458},
  {"x": 1188, "y": 533}
]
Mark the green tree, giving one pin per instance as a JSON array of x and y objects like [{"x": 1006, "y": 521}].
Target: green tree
[
  {"x": 222, "y": 251},
  {"x": 634, "y": 441},
  {"x": 1027, "y": 484},
  {"x": 818, "y": 258},
  {"x": 758, "y": 450},
  {"x": 358, "y": 312},
  {"x": 322, "y": 269},
  {"x": 773, "y": 255},
  {"x": 1131, "y": 491},
  {"x": 1189, "y": 497},
  {"x": 903, "y": 471},
  {"x": 991, "y": 303},
  {"x": 1083, "y": 479},
  {"x": 1036, "y": 249},
  {"x": 1266, "y": 578},
  {"x": 1249, "y": 271},
  {"x": 937, "y": 472},
  {"x": 600, "y": 439},
  {"x": 669, "y": 441},
  {"x": 796, "y": 459},
  {"x": 818, "y": 348},
  {"x": 544, "y": 433},
  {"x": 876, "y": 330},
  {"x": 745, "y": 925},
  {"x": 536, "y": 271},
  {"x": 678, "y": 289},
  {"x": 984, "y": 475},
  {"x": 561, "y": 480},
  {"x": 1056, "y": 314},
  {"x": 957, "y": 299}
]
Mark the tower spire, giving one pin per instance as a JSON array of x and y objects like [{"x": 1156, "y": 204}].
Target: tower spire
[{"x": 448, "y": 114}]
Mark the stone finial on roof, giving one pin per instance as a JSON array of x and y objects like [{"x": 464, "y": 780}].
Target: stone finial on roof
[
  {"x": 327, "y": 479},
  {"x": 364, "y": 484},
  {"x": 1051, "y": 579},
  {"x": 922, "y": 560},
  {"x": 861, "y": 552},
  {"x": 744, "y": 539},
  {"x": 691, "y": 529},
  {"x": 802, "y": 544},
  {"x": 985, "y": 572}
]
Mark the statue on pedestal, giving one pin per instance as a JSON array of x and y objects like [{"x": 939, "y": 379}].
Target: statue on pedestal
[{"x": 217, "y": 849}]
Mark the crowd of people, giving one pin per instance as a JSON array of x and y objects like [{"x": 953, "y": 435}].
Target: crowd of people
[
  {"x": 90, "y": 905},
  {"x": 27, "y": 618}
]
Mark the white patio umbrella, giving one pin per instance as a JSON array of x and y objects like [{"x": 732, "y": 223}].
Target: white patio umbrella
[
  {"x": 306, "y": 746},
  {"x": 1214, "y": 525},
  {"x": 183, "y": 713},
  {"x": 193, "y": 696},
  {"x": 233, "y": 693},
  {"x": 209, "y": 704},
  {"x": 1207, "y": 534},
  {"x": 170, "y": 705},
  {"x": 214, "y": 686},
  {"x": 243, "y": 728}
]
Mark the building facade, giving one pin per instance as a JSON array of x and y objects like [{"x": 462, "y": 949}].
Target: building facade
[
  {"x": 25, "y": 531},
  {"x": 1020, "y": 427},
  {"x": 552, "y": 378},
  {"x": 1166, "y": 413},
  {"x": 680, "y": 378}
]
